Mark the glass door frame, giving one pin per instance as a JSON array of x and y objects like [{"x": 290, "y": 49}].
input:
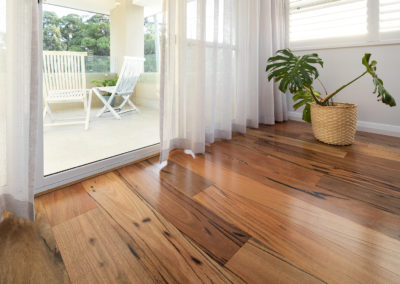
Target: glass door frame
[{"x": 70, "y": 176}]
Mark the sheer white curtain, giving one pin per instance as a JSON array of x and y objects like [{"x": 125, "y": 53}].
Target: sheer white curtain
[
  {"x": 213, "y": 78},
  {"x": 19, "y": 104},
  {"x": 273, "y": 31}
]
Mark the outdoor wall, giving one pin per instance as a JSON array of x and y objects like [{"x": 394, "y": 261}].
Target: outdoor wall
[
  {"x": 126, "y": 33},
  {"x": 343, "y": 64},
  {"x": 147, "y": 91}
]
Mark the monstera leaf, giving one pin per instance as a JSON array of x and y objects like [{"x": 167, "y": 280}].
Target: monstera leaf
[
  {"x": 383, "y": 94},
  {"x": 304, "y": 98},
  {"x": 297, "y": 74},
  {"x": 293, "y": 72}
]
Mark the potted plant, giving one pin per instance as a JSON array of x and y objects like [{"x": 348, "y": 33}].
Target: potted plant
[
  {"x": 332, "y": 122},
  {"x": 105, "y": 83}
]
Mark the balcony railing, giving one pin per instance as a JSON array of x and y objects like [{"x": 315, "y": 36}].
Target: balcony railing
[{"x": 98, "y": 64}]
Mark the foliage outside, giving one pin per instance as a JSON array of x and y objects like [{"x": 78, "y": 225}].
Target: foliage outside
[
  {"x": 75, "y": 33},
  {"x": 150, "y": 65},
  {"x": 92, "y": 35},
  {"x": 298, "y": 73}
]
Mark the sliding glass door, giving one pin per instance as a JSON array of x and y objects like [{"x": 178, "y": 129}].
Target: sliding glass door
[{"x": 99, "y": 111}]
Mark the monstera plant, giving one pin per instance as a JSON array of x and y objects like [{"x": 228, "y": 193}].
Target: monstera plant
[{"x": 297, "y": 75}]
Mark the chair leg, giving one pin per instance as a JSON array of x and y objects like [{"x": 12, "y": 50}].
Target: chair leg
[
  {"x": 103, "y": 110},
  {"x": 127, "y": 99},
  {"x": 121, "y": 106},
  {"x": 106, "y": 105},
  {"x": 88, "y": 105},
  {"x": 133, "y": 105}
]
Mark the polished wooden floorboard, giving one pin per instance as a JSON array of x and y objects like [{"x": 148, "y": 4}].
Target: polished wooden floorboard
[
  {"x": 28, "y": 250},
  {"x": 271, "y": 206}
]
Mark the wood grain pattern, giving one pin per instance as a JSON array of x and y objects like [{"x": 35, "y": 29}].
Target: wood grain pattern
[
  {"x": 94, "y": 253},
  {"x": 387, "y": 200},
  {"x": 302, "y": 247},
  {"x": 257, "y": 264},
  {"x": 176, "y": 259},
  {"x": 63, "y": 205},
  {"x": 371, "y": 168},
  {"x": 314, "y": 218},
  {"x": 28, "y": 251},
  {"x": 367, "y": 214},
  {"x": 338, "y": 152},
  {"x": 299, "y": 178},
  {"x": 271, "y": 206},
  {"x": 179, "y": 177},
  {"x": 218, "y": 238}
]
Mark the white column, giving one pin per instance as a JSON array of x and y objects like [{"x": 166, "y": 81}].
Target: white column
[{"x": 126, "y": 33}]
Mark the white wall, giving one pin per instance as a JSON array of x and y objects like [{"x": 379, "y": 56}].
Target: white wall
[
  {"x": 147, "y": 91},
  {"x": 343, "y": 64},
  {"x": 126, "y": 33}
]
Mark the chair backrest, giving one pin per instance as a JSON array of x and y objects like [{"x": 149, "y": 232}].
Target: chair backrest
[
  {"x": 129, "y": 75},
  {"x": 64, "y": 70}
]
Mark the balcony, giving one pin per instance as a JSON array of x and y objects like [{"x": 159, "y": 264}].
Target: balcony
[{"x": 71, "y": 146}]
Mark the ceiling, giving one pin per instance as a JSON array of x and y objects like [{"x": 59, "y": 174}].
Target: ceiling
[
  {"x": 151, "y": 7},
  {"x": 105, "y": 6}
]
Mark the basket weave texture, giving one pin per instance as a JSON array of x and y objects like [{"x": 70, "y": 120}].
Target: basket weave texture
[{"x": 335, "y": 125}]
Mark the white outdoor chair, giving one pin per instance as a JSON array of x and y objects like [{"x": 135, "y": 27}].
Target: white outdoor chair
[
  {"x": 128, "y": 77},
  {"x": 64, "y": 79}
]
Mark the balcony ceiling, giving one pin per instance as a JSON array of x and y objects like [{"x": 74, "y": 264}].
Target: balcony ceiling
[{"x": 105, "y": 6}]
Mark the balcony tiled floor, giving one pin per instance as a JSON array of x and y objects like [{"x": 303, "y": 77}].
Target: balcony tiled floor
[{"x": 66, "y": 147}]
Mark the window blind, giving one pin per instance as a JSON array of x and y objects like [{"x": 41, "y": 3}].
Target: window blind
[
  {"x": 322, "y": 19},
  {"x": 389, "y": 15}
]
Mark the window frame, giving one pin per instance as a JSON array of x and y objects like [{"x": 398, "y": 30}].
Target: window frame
[
  {"x": 48, "y": 183},
  {"x": 373, "y": 37}
]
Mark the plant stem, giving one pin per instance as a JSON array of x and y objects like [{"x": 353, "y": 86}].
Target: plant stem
[
  {"x": 313, "y": 95},
  {"x": 328, "y": 97},
  {"x": 326, "y": 92}
]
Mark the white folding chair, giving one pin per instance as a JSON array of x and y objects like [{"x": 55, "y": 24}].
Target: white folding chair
[
  {"x": 64, "y": 80},
  {"x": 127, "y": 80}
]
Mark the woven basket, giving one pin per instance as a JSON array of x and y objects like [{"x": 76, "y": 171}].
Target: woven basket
[{"x": 335, "y": 125}]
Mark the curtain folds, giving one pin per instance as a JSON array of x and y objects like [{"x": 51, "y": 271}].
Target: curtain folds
[
  {"x": 213, "y": 79},
  {"x": 19, "y": 104}
]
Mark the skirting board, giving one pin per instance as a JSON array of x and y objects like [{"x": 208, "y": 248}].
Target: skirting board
[{"x": 372, "y": 127}]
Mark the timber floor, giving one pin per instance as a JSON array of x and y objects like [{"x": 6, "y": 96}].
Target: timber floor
[{"x": 271, "y": 206}]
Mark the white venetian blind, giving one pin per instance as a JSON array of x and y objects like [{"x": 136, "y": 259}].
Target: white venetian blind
[
  {"x": 313, "y": 19},
  {"x": 389, "y": 15}
]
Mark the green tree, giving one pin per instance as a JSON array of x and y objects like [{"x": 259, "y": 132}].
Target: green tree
[
  {"x": 52, "y": 39},
  {"x": 71, "y": 31},
  {"x": 88, "y": 43},
  {"x": 74, "y": 33},
  {"x": 150, "y": 65},
  {"x": 103, "y": 46},
  {"x": 98, "y": 28}
]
